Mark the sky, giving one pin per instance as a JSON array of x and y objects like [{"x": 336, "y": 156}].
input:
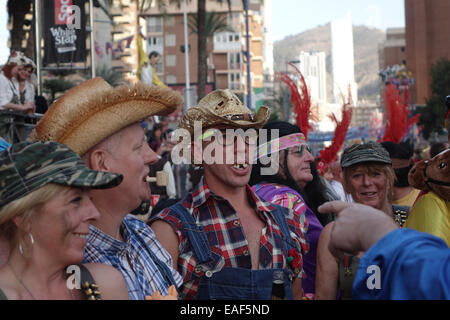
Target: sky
[
  {"x": 290, "y": 17},
  {"x": 4, "y": 33}
]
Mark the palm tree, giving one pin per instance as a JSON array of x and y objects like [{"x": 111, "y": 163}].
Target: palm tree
[
  {"x": 202, "y": 45},
  {"x": 202, "y": 31},
  {"x": 214, "y": 23}
]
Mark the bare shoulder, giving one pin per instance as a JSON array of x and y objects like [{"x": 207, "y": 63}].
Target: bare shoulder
[
  {"x": 168, "y": 238},
  {"x": 164, "y": 231},
  {"x": 109, "y": 280}
]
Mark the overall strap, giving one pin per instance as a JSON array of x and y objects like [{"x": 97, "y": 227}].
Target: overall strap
[
  {"x": 280, "y": 218},
  {"x": 195, "y": 232},
  {"x": 89, "y": 287}
]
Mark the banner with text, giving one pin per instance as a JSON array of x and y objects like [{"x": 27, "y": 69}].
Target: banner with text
[{"x": 64, "y": 31}]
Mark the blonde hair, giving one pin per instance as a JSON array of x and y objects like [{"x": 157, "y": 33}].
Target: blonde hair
[
  {"x": 370, "y": 167},
  {"x": 26, "y": 208}
]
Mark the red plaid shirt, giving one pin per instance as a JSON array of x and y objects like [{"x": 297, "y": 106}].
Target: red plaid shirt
[{"x": 226, "y": 236}]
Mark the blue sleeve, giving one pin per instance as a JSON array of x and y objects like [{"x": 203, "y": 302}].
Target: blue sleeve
[{"x": 405, "y": 264}]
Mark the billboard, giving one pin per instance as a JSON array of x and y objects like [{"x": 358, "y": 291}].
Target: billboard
[{"x": 64, "y": 31}]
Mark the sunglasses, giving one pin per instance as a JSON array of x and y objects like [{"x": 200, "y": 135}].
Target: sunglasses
[{"x": 300, "y": 150}]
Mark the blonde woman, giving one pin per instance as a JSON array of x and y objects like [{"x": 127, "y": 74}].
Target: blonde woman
[
  {"x": 45, "y": 212},
  {"x": 369, "y": 178}
]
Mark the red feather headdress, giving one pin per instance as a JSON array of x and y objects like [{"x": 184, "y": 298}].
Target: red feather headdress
[
  {"x": 301, "y": 102},
  {"x": 396, "y": 113},
  {"x": 329, "y": 154}
]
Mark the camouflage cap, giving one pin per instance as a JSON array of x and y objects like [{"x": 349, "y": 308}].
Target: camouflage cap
[
  {"x": 27, "y": 166},
  {"x": 367, "y": 152}
]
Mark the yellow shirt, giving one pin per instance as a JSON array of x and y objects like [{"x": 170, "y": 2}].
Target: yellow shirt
[
  {"x": 408, "y": 200},
  {"x": 431, "y": 214}
]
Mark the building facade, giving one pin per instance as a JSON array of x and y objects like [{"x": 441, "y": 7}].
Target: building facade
[
  {"x": 393, "y": 50},
  {"x": 227, "y": 64},
  {"x": 427, "y": 40},
  {"x": 313, "y": 68},
  {"x": 342, "y": 60}
]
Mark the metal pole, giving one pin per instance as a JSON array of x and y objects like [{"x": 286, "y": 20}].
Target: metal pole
[
  {"x": 186, "y": 58},
  {"x": 91, "y": 22},
  {"x": 37, "y": 44},
  {"x": 247, "y": 52}
]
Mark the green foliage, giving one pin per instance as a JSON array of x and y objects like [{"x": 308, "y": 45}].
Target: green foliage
[
  {"x": 432, "y": 116},
  {"x": 214, "y": 23},
  {"x": 113, "y": 77},
  {"x": 55, "y": 86}
]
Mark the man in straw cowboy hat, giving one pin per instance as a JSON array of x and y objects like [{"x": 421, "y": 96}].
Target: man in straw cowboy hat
[
  {"x": 102, "y": 124},
  {"x": 225, "y": 241}
]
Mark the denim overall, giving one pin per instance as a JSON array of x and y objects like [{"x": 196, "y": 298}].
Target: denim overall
[{"x": 230, "y": 282}]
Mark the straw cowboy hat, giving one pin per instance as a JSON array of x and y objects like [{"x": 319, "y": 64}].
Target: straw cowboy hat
[
  {"x": 92, "y": 111},
  {"x": 223, "y": 107}
]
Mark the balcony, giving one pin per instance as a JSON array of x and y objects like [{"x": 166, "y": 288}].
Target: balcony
[
  {"x": 227, "y": 41},
  {"x": 235, "y": 66},
  {"x": 117, "y": 29},
  {"x": 115, "y": 11},
  {"x": 236, "y": 86}
]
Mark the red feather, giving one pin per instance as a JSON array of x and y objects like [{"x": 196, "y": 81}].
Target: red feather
[
  {"x": 396, "y": 112},
  {"x": 305, "y": 110},
  {"x": 301, "y": 102},
  {"x": 329, "y": 154}
]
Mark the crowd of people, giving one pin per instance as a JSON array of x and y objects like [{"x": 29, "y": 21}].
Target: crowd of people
[{"x": 77, "y": 194}]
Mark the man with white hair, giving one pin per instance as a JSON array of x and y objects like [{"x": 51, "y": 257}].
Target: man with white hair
[{"x": 102, "y": 124}]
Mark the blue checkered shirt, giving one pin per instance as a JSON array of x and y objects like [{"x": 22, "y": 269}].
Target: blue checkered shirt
[{"x": 131, "y": 258}]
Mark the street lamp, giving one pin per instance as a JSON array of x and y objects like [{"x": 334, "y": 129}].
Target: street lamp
[
  {"x": 247, "y": 53},
  {"x": 186, "y": 59}
]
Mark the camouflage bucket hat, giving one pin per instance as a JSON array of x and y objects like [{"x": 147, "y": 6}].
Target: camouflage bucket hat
[
  {"x": 367, "y": 152},
  {"x": 27, "y": 166}
]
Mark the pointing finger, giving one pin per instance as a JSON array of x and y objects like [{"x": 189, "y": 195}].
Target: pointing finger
[{"x": 333, "y": 207}]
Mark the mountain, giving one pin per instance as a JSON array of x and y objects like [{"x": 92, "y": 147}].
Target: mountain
[{"x": 365, "y": 44}]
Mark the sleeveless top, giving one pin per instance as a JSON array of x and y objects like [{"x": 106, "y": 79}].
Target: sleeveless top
[
  {"x": 348, "y": 266},
  {"x": 88, "y": 287}
]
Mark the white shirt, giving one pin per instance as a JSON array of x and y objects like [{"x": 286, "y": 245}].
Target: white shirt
[
  {"x": 337, "y": 186},
  {"x": 9, "y": 88},
  {"x": 29, "y": 89},
  {"x": 147, "y": 74},
  {"x": 6, "y": 91}
]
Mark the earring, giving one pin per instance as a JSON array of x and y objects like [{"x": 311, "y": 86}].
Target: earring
[
  {"x": 31, "y": 238},
  {"x": 20, "y": 249}
]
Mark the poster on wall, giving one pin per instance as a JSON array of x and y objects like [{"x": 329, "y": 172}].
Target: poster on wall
[{"x": 64, "y": 31}]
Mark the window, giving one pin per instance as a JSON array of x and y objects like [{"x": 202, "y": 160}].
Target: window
[
  {"x": 170, "y": 79},
  {"x": 234, "y": 81},
  {"x": 234, "y": 60},
  {"x": 159, "y": 67},
  {"x": 155, "y": 41},
  {"x": 171, "y": 60},
  {"x": 169, "y": 21},
  {"x": 170, "y": 40},
  {"x": 154, "y": 24}
]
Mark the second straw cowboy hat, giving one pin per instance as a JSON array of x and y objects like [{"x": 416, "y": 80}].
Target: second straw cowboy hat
[
  {"x": 92, "y": 111},
  {"x": 222, "y": 107}
]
